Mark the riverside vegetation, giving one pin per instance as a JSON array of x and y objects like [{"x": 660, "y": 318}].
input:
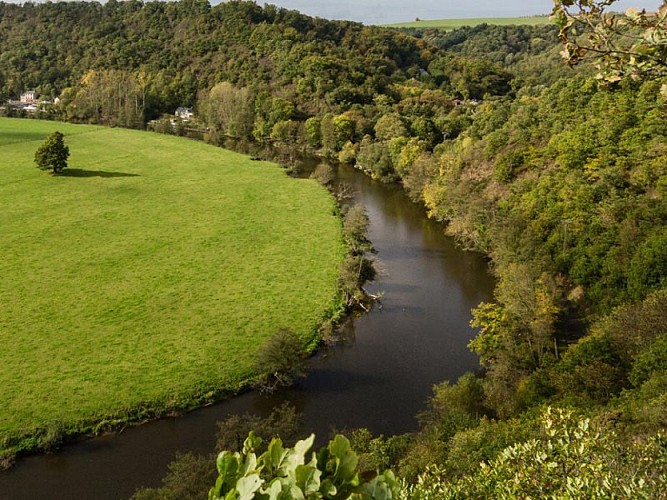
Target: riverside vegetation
[{"x": 558, "y": 176}]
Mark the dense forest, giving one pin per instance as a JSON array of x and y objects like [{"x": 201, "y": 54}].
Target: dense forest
[{"x": 558, "y": 176}]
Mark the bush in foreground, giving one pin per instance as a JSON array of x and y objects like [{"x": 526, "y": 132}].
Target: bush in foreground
[
  {"x": 569, "y": 456},
  {"x": 285, "y": 473},
  {"x": 573, "y": 458}
]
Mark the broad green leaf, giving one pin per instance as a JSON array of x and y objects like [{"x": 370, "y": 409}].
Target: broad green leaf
[
  {"x": 323, "y": 454},
  {"x": 215, "y": 492},
  {"x": 228, "y": 467},
  {"x": 346, "y": 460},
  {"x": 308, "y": 477},
  {"x": 382, "y": 487},
  {"x": 295, "y": 493},
  {"x": 296, "y": 456},
  {"x": 247, "y": 486},
  {"x": 339, "y": 446},
  {"x": 251, "y": 443},
  {"x": 222, "y": 460},
  {"x": 274, "y": 456},
  {"x": 302, "y": 447},
  {"x": 328, "y": 489},
  {"x": 249, "y": 465},
  {"x": 274, "y": 490}
]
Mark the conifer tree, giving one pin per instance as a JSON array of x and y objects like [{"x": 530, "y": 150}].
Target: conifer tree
[{"x": 53, "y": 154}]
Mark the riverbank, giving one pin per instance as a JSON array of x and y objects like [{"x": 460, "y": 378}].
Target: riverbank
[
  {"x": 379, "y": 377},
  {"x": 143, "y": 281}
]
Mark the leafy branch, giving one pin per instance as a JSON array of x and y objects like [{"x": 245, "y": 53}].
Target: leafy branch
[{"x": 630, "y": 45}]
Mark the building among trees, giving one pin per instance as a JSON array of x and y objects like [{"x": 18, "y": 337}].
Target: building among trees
[
  {"x": 29, "y": 97},
  {"x": 185, "y": 114}
]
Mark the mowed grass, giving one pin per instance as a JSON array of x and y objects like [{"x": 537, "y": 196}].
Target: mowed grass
[
  {"x": 148, "y": 274},
  {"x": 451, "y": 24}
]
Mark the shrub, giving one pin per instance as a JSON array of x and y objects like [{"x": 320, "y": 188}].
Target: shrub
[
  {"x": 189, "y": 478},
  {"x": 313, "y": 133},
  {"x": 469, "y": 448},
  {"x": 648, "y": 268},
  {"x": 593, "y": 369},
  {"x": 348, "y": 153},
  {"x": 355, "y": 271},
  {"x": 374, "y": 157},
  {"x": 651, "y": 361},
  {"x": 634, "y": 327},
  {"x": 52, "y": 436},
  {"x": 355, "y": 230},
  {"x": 453, "y": 408},
  {"x": 284, "y": 421},
  {"x": 572, "y": 459},
  {"x": 378, "y": 453},
  {"x": 324, "y": 174},
  {"x": 288, "y": 473},
  {"x": 508, "y": 165},
  {"x": 457, "y": 406},
  {"x": 281, "y": 359}
]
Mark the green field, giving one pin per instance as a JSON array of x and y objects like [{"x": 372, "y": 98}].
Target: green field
[
  {"x": 147, "y": 275},
  {"x": 451, "y": 24}
]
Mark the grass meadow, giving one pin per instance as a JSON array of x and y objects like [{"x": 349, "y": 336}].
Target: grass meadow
[
  {"x": 451, "y": 24},
  {"x": 145, "y": 278}
]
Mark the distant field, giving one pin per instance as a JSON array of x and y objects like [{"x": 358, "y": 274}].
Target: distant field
[
  {"x": 451, "y": 24},
  {"x": 146, "y": 276}
]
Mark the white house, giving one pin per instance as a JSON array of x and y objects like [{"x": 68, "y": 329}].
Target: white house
[
  {"x": 184, "y": 114},
  {"x": 29, "y": 96}
]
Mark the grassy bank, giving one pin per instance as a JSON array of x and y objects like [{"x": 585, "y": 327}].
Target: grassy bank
[
  {"x": 147, "y": 276},
  {"x": 451, "y": 24}
]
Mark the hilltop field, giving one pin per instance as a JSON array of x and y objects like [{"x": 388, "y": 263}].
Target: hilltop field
[
  {"x": 452, "y": 24},
  {"x": 145, "y": 278}
]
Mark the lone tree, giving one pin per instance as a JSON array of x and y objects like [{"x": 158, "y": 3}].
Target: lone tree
[{"x": 53, "y": 154}]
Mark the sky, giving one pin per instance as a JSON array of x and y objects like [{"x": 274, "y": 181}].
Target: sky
[
  {"x": 396, "y": 11},
  {"x": 393, "y": 11}
]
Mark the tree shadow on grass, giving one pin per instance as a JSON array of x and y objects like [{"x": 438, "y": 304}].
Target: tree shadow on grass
[{"x": 78, "y": 172}]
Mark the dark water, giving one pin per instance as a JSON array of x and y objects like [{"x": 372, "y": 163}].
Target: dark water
[{"x": 380, "y": 379}]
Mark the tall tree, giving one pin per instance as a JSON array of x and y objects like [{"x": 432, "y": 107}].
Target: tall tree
[
  {"x": 228, "y": 110},
  {"x": 112, "y": 97},
  {"x": 53, "y": 154}
]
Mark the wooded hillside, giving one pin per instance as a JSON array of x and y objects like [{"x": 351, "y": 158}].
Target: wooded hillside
[{"x": 559, "y": 177}]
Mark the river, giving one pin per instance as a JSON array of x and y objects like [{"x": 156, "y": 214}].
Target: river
[{"x": 380, "y": 378}]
